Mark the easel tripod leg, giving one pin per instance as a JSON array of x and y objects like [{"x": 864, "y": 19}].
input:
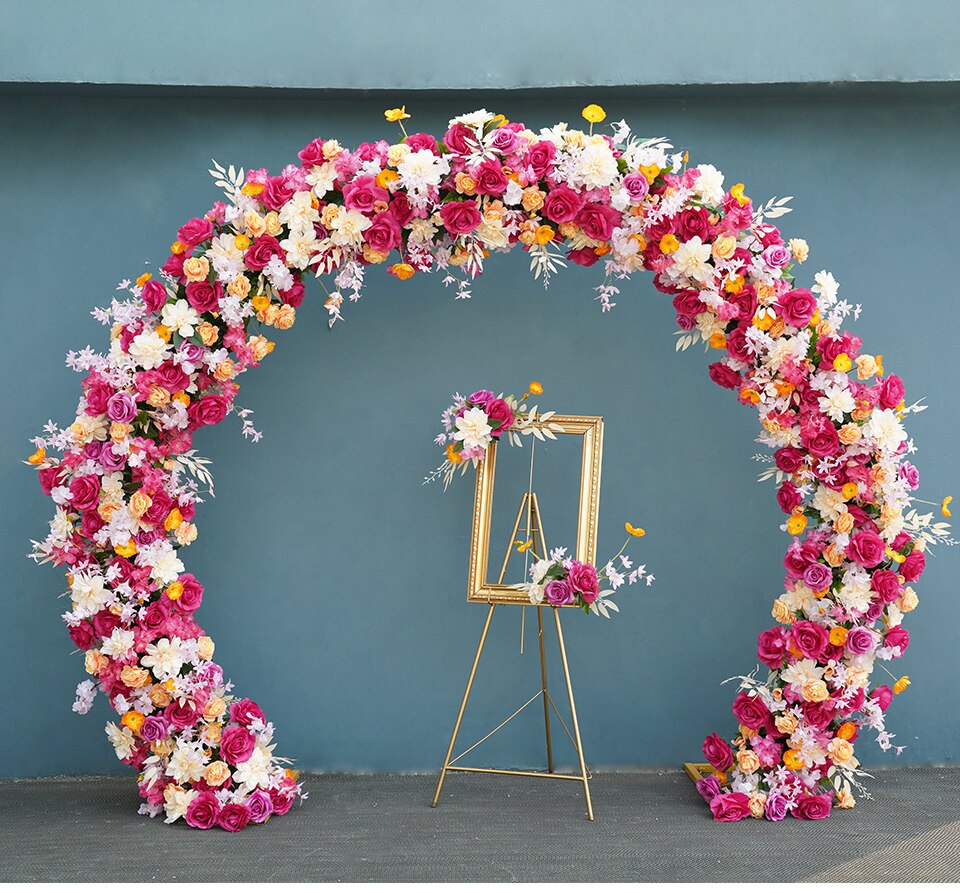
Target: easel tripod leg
[
  {"x": 463, "y": 707},
  {"x": 543, "y": 682},
  {"x": 573, "y": 714}
]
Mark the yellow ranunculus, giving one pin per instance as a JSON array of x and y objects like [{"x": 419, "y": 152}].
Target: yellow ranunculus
[
  {"x": 521, "y": 546},
  {"x": 634, "y": 531},
  {"x": 127, "y": 551},
  {"x": 838, "y": 635},
  {"x": 395, "y": 115},
  {"x": 669, "y": 243},
  {"x": 842, "y": 363},
  {"x": 453, "y": 455},
  {"x": 545, "y": 234},
  {"x": 650, "y": 172},
  {"x": 849, "y": 490},
  {"x": 594, "y": 113},
  {"x": 144, "y": 278},
  {"x": 900, "y": 686},
  {"x": 41, "y": 453},
  {"x": 943, "y": 506},
  {"x": 796, "y": 524},
  {"x": 174, "y": 590},
  {"x": 718, "y": 341},
  {"x": 536, "y": 388},
  {"x": 737, "y": 192},
  {"x": 792, "y": 760},
  {"x": 401, "y": 271}
]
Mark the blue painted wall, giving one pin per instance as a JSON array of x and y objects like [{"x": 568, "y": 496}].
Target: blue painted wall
[{"x": 335, "y": 581}]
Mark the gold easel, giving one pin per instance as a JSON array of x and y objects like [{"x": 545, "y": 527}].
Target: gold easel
[{"x": 534, "y": 532}]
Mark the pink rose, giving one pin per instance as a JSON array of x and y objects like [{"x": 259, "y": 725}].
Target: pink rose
[
  {"x": 771, "y": 646},
  {"x": 776, "y": 807},
  {"x": 730, "y": 807},
  {"x": 311, "y": 155},
  {"x": 750, "y": 711},
  {"x": 419, "y": 141},
  {"x": 259, "y": 253},
  {"x": 491, "y": 180},
  {"x": 866, "y": 548},
  {"x": 460, "y": 217},
  {"x": 195, "y": 231},
  {"x": 498, "y": 410},
  {"x": 203, "y": 811},
  {"x": 913, "y": 567},
  {"x": 363, "y": 193},
  {"x": 562, "y": 204},
  {"x": 154, "y": 295},
  {"x": 245, "y": 711},
  {"x": 693, "y": 222},
  {"x": 540, "y": 157},
  {"x": 277, "y": 191},
  {"x": 583, "y": 579},
  {"x": 778, "y": 257},
  {"x": 210, "y": 409},
  {"x": 636, "y": 186},
  {"x": 237, "y": 744},
  {"x": 384, "y": 233},
  {"x": 85, "y": 492},
  {"x": 233, "y": 817},
  {"x": 598, "y": 221},
  {"x": 812, "y": 806},
  {"x": 204, "y": 296},
  {"x": 809, "y": 638},
  {"x": 820, "y": 438},
  {"x": 718, "y": 752},
  {"x": 723, "y": 375},
  {"x": 797, "y": 307}
]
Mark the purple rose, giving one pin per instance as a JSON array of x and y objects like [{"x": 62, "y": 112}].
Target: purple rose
[
  {"x": 237, "y": 744},
  {"x": 730, "y": 807},
  {"x": 558, "y": 592},
  {"x": 810, "y": 638},
  {"x": 813, "y": 806},
  {"x": 818, "y": 577},
  {"x": 860, "y": 640},
  {"x": 259, "y": 806},
  {"x": 480, "y": 398},
  {"x": 776, "y": 807},
  {"x": 233, "y": 817},
  {"x": 112, "y": 460},
  {"x": 583, "y": 579},
  {"x": 866, "y": 548},
  {"x": 636, "y": 186},
  {"x": 121, "y": 407},
  {"x": 504, "y": 140},
  {"x": 709, "y": 785},
  {"x": 154, "y": 728},
  {"x": 203, "y": 811},
  {"x": 717, "y": 751}
]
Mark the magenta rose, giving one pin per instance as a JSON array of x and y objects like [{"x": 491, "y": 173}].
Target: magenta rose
[
  {"x": 480, "y": 398},
  {"x": 195, "y": 231},
  {"x": 277, "y": 191},
  {"x": 491, "y": 180},
  {"x": 259, "y": 806},
  {"x": 776, "y": 807},
  {"x": 598, "y": 221},
  {"x": 559, "y": 592},
  {"x": 121, "y": 407},
  {"x": 750, "y": 711},
  {"x": 860, "y": 640},
  {"x": 245, "y": 711},
  {"x": 363, "y": 194},
  {"x": 813, "y": 806},
  {"x": 771, "y": 646},
  {"x": 788, "y": 497},
  {"x": 499, "y": 411},
  {"x": 233, "y": 817},
  {"x": 583, "y": 579},
  {"x": 809, "y": 638},
  {"x": 259, "y": 253},
  {"x": 883, "y": 695},
  {"x": 897, "y": 637},
  {"x": 154, "y": 295},
  {"x": 237, "y": 744},
  {"x": 97, "y": 393},
  {"x": 460, "y": 217},
  {"x": 583, "y": 257},
  {"x": 282, "y": 799},
  {"x": 210, "y": 409},
  {"x": 311, "y": 155},
  {"x": 820, "y": 437},
  {"x": 540, "y": 158},
  {"x": 192, "y": 593},
  {"x": 788, "y": 459},
  {"x": 723, "y": 375},
  {"x": 797, "y": 307},
  {"x": 154, "y": 728},
  {"x": 636, "y": 186},
  {"x": 886, "y": 584},
  {"x": 717, "y": 752},
  {"x": 203, "y": 811},
  {"x": 383, "y": 234},
  {"x": 85, "y": 492},
  {"x": 820, "y": 714},
  {"x": 461, "y": 140},
  {"x": 204, "y": 296},
  {"x": 730, "y": 807},
  {"x": 562, "y": 204},
  {"x": 892, "y": 392},
  {"x": 693, "y": 222},
  {"x": 866, "y": 548},
  {"x": 818, "y": 577},
  {"x": 181, "y": 716},
  {"x": 913, "y": 567},
  {"x": 709, "y": 786}
]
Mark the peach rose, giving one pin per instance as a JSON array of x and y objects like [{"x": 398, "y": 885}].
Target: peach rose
[
  {"x": 214, "y": 708},
  {"x": 844, "y": 523},
  {"x": 272, "y": 223},
  {"x": 239, "y": 287},
  {"x": 532, "y": 199},
  {"x": 849, "y": 434},
  {"x": 196, "y": 269},
  {"x": 135, "y": 677},
  {"x": 254, "y": 224},
  {"x": 748, "y": 761},
  {"x": 159, "y": 696},
  {"x": 840, "y": 750},
  {"x": 786, "y": 723},
  {"x": 140, "y": 502},
  {"x": 205, "y": 647},
  {"x": 216, "y": 774},
  {"x": 781, "y": 613},
  {"x": 724, "y": 246},
  {"x": 815, "y": 691},
  {"x": 208, "y": 332},
  {"x": 95, "y": 662},
  {"x": 758, "y": 803}
]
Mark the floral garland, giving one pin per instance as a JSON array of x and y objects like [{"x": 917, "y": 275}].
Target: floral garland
[
  {"x": 127, "y": 480},
  {"x": 470, "y": 425}
]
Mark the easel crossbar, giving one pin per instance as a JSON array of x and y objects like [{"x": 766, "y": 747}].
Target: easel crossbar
[{"x": 529, "y": 774}]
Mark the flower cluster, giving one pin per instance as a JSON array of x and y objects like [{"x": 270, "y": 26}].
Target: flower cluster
[{"x": 126, "y": 481}]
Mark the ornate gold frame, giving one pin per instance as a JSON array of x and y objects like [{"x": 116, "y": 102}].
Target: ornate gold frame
[{"x": 478, "y": 588}]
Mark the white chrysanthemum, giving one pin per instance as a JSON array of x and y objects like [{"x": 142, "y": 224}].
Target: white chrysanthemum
[
  {"x": 422, "y": 169},
  {"x": 88, "y": 594},
  {"x": 164, "y": 657},
  {"x": 837, "y": 401},
  {"x": 473, "y": 119},
  {"x": 119, "y": 644},
  {"x": 86, "y": 428},
  {"x": 322, "y": 177},
  {"x": 859, "y": 670},
  {"x": 176, "y": 801},
  {"x": 691, "y": 260},
  {"x": 180, "y": 317},
  {"x": 855, "y": 593},
  {"x": 299, "y": 214},
  {"x": 596, "y": 166},
  {"x": 473, "y": 428},
  {"x": 422, "y": 229},
  {"x": 122, "y": 740},
  {"x": 61, "y": 528},
  {"x": 709, "y": 184},
  {"x": 187, "y": 763},
  {"x": 149, "y": 350},
  {"x": 884, "y": 427},
  {"x": 802, "y": 672},
  {"x": 225, "y": 257},
  {"x": 165, "y": 567},
  {"x": 829, "y": 503},
  {"x": 492, "y": 234},
  {"x": 825, "y": 286},
  {"x": 299, "y": 248},
  {"x": 347, "y": 228},
  {"x": 256, "y": 771}
]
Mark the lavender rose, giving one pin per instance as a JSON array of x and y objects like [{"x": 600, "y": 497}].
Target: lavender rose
[
  {"x": 259, "y": 806},
  {"x": 776, "y": 808},
  {"x": 709, "y": 786},
  {"x": 818, "y": 577},
  {"x": 480, "y": 398},
  {"x": 558, "y": 592},
  {"x": 636, "y": 186},
  {"x": 860, "y": 640},
  {"x": 121, "y": 407}
]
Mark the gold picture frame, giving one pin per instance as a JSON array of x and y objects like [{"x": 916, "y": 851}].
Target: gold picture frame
[{"x": 479, "y": 588}]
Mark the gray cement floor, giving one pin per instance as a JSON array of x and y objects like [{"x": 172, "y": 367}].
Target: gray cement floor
[{"x": 649, "y": 826}]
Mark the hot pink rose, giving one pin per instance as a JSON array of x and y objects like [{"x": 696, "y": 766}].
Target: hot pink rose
[
  {"x": 809, "y": 638},
  {"x": 883, "y": 695},
  {"x": 598, "y": 221},
  {"x": 420, "y": 141},
  {"x": 583, "y": 579},
  {"x": 540, "y": 158},
  {"x": 771, "y": 646},
  {"x": 886, "y": 584},
  {"x": 913, "y": 567},
  {"x": 181, "y": 716},
  {"x": 204, "y": 296},
  {"x": 499, "y": 411},
  {"x": 460, "y": 217},
  {"x": 203, "y": 811},
  {"x": 384, "y": 233},
  {"x": 154, "y": 295},
  {"x": 750, "y": 711},
  {"x": 259, "y": 253},
  {"x": 195, "y": 231},
  {"x": 788, "y": 497},
  {"x": 788, "y": 459},
  {"x": 717, "y": 751},
  {"x": 233, "y": 817},
  {"x": 491, "y": 180},
  {"x": 363, "y": 193},
  {"x": 866, "y": 548},
  {"x": 892, "y": 392},
  {"x": 797, "y": 307},
  {"x": 311, "y": 155},
  {"x": 210, "y": 409},
  {"x": 85, "y": 492},
  {"x": 812, "y": 806},
  {"x": 192, "y": 593},
  {"x": 723, "y": 375},
  {"x": 820, "y": 438},
  {"x": 562, "y": 204},
  {"x": 461, "y": 140},
  {"x": 245, "y": 711},
  {"x": 237, "y": 744},
  {"x": 583, "y": 257},
  {"x": 730, "y": 807}
]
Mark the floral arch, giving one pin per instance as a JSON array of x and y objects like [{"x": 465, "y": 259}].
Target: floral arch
[{"x": 125, "y": 479}]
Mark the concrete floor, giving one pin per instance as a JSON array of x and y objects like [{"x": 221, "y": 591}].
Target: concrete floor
[{"x": 650, "y": 826}]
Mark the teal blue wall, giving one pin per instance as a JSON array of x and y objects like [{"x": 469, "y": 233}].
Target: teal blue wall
[{"x": 335, "y": 581}]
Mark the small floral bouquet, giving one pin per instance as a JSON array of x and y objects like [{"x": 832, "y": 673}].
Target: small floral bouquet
[
  {"x": 559, "y": 581},
  {"x": 471, "y": 423}
]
